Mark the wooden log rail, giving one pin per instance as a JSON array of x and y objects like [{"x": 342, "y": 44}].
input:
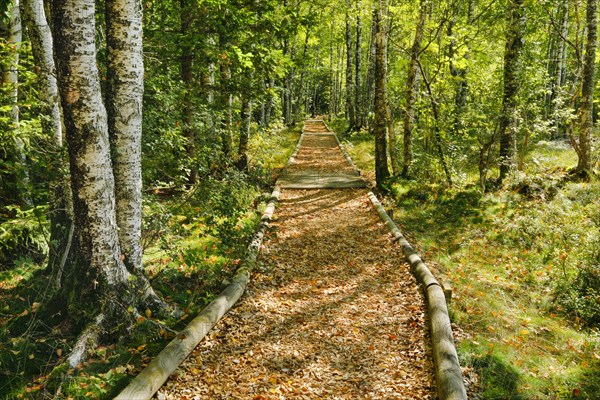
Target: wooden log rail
[
  {"x": 147, "y": 382},
  {"x": 448, "y": 374}
]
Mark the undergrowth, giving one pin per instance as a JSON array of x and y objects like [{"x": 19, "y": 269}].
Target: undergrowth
[
  {"x": 193, "y": 243},
  {"x": 524, "y": 265}
]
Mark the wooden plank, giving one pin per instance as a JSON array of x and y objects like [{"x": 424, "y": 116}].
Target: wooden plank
[{"x": 316, "y": 180}]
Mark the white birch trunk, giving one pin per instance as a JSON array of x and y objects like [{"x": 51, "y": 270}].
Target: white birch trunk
[
  {"x": 41, "y": 43},
  {"x": 14, "y": 35},
  {"x": 97, "y": 272},
  {"x": 61, "y": 205},
  {"x": 125, "y": 90},
  {"x": 10, "y": 77}
]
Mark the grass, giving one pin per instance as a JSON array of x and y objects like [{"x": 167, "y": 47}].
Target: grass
[
  {"x": 192, "y": 247},
  {"x": 504, "y": 253}
]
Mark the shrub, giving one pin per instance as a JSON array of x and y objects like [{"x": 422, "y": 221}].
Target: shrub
[
  {"x": 22, "y": 237},
  {"x": 580, "y": 296}
]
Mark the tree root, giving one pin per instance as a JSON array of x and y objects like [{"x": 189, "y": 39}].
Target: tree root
[{"x": 88, "y": 338}]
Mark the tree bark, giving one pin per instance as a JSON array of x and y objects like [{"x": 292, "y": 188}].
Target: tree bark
[
  {"x": 359, "y": 112},
  {"x": 586, "y": 111},
  {"x": 370, "y": 79},
  {"x": 381, "y": 166},
  {"x": 393, "y": 141},
  {"x": 245, "y": 114},
  {"x": 512, "y": 70},
  {"x": 270, "y": 101},
  {"x": 61, "y": 199},
  {"x": 98, "y": 286},
  {"x": 460, "y": 74},
  {"x": 349, "y": 77},
  {"x": 557, "y": 65},
  {"x": 411, "y": 88},
  {"x": 187, "y": 77},
  {"x": 41, "y": 44},
  {"x": 12, "y": 31},
  {"x": 125, "y": 72},
  {"x": 225, "y": 102}
]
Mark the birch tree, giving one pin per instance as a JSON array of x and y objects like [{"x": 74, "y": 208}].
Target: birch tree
[
  {"x": 124, "y": 106},
  {"x": 411, "y": 89},
  {"x": 61, "y": 205},
  {"x": 513, "y": 54},
  {"x": 100, "y": 289},
  {"x": 586, "y": 111},
  {"x": 359, "y": 112},
  {"x": 40, "y": 37},
  {"x": 381, "y": 167},
  {"x": 11, "y": 30},
  {"x": 350, "y": 110}
]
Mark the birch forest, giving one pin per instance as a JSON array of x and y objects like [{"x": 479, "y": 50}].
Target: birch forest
[{"x": 140, "y": 142}]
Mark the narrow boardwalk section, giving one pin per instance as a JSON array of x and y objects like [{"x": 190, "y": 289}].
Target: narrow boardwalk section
[{"x": 331, "y": 313}]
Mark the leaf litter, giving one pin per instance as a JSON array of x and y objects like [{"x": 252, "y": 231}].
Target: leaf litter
[{"x": 332, "y": 312}]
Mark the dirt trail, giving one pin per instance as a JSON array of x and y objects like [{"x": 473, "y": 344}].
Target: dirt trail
[{"x": 331, "y": 312}]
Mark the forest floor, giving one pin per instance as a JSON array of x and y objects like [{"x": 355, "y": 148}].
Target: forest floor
[{"x": 332, "y": 311}]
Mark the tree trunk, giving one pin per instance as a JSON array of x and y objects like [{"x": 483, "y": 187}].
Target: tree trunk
[
  {"x": 349, "y": 79},
  {"x": 225, "y": 103},
  {"x": 512, "y": 71},
  {"x": 381, "y": 166},
  {"x": 125, "y": 72},
  {"x": 370, "y": 79},
  {"x": 245, "y": 114},
  {"x": 187, "y": 77},
  {"x": 462, "y": 89},
  {"x": 41, "y": 44},
  {"x": 61, "y": 199},
  {"x": 556, "y": 66},
  {"x": 359, "y": 113},
  {"x": 586, "y": 110},
  {"x": 12, "y": 32},
  {"x": 436, "y": 128},
  {"x": 270, "y": 101},
  {"x": 411, "y": 88},
  {"x": 97, "y": 283},
  {"x": 393, "y": 141}
]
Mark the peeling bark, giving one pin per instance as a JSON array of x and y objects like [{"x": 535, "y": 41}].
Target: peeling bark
[
  {"x": 96, "y": 280},
  {"x": 124, "y": 106}
]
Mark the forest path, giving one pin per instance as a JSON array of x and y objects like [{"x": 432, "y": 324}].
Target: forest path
[{"x": 332, "y": 311}]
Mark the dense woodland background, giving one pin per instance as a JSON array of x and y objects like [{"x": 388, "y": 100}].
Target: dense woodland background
[{"x": 476, "y": 118}]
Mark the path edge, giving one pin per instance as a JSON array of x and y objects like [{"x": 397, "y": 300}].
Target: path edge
[
  {"x": 343, "y": 149},
  {"x": 153, "y": 376},
  {"x": 449, "y": 378}
]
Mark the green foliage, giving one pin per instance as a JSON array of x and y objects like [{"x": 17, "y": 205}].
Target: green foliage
[
  {"x": 499, "y": 379},
  {"x": 224, "y": 202},
  {"x": 579, "y": 297},
  {"x": 22, "y": 236}
]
